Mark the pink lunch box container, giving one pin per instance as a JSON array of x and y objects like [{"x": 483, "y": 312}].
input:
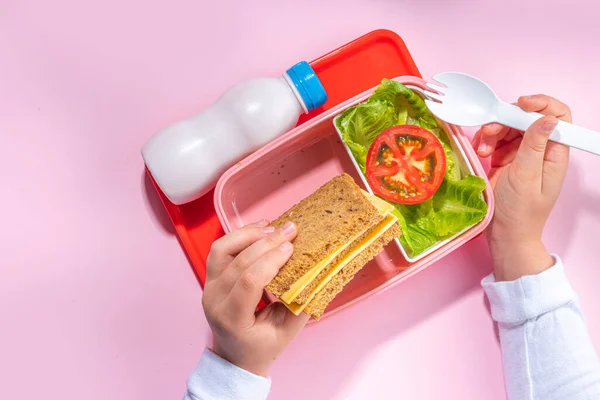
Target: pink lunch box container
[{"x": 290, "y": 168}]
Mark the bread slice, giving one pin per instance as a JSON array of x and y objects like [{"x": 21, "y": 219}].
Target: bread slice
[
  {"x": 357, "y": 248},
  {"x": 384, "y": 210},
  {"x": 327, "y": 220},
  {"x": 321, "y": 300}
]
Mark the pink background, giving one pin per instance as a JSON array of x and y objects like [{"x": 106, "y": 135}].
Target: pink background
[{"x": 97, "y": 299}]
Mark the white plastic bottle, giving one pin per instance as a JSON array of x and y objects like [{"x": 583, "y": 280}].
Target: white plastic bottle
[{"x": 187, "y": 158}]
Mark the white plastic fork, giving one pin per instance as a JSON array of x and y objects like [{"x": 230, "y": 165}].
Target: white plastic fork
[{"x": 468, "y": 101}]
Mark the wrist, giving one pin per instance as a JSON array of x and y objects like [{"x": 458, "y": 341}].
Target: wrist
[
  {"x": 513, "y": 260},
  {"x": 253, "y": 367}
]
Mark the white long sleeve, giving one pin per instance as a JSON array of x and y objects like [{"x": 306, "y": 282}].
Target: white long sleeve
[
  {"x": 546, "y": 348},
  {"x": 217, "y": 379}
]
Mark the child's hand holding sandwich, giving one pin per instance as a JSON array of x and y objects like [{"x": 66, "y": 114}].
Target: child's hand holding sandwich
[{"x": 239, "y": 267}]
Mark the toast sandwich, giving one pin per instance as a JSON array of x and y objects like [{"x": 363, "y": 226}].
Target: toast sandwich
[{"x": 340, "y": 229}]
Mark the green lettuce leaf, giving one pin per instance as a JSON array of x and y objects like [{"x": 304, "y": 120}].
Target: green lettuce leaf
[
  {"x": 360, "y": 155},
  {"x": 456, "y": 206},
  {"x": 453, "y": 172},
  {"x": 405, "y": 100},
  {"x": 414, "y": 239},
  {"x": 362, "y": 123}
]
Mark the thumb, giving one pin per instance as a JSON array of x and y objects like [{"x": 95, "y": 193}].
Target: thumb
[{"x": 530, "y": 156}]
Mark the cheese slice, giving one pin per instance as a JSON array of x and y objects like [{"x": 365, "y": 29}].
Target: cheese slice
[
  {"x": 297, "y": 287},
  {"x": 382, "y": 206},
  {"x": 360, "y": 247}
]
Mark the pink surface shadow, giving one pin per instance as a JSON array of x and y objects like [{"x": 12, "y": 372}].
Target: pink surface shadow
[{"x": 154, "y": 205}]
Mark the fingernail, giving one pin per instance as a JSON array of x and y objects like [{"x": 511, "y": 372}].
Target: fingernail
[
  {"x": 269, "y": 229},
  {"x": 549, "y": 126},
  {"x": 528, "y": 97},
  {"x": 262, "y": 222},
  {"x": 285, "y": 247},
  {"x": 288, "y": 228}
]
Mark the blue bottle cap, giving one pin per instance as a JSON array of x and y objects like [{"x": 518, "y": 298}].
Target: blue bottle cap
[{"x": 308, "y": 85}]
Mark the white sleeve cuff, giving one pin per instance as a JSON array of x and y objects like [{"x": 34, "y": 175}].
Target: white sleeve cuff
[
  {"x": 217, "y": 379},
  {"x": 529, "y": 296}
]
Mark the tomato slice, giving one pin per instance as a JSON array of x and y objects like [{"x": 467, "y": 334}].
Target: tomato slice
[{"x": 406, "y": 164}]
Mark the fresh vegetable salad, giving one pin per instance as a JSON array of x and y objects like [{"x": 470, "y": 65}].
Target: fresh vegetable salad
[{"x": 408, "y": 161}]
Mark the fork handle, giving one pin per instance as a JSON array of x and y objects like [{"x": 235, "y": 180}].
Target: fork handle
[{"x": 565, "y": 133}]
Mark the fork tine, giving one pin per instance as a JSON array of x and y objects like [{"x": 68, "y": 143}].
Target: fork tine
[
  {"x": 436, "y": 88},
  {"x": 434, "y": 96}
]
